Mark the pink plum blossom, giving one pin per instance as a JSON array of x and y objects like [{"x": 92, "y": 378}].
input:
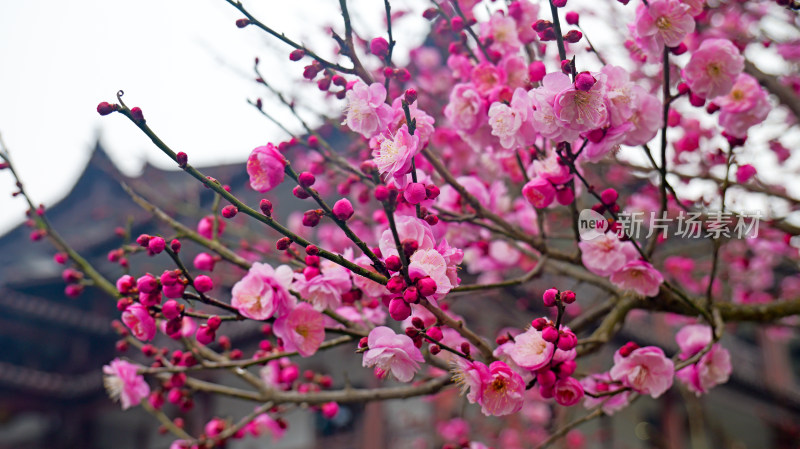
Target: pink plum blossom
[
  {"x": 606, "y": 254},
  {"x": 466, "y": 109},
  {"x": 503, "y": 30},
  {"x": 264, "y": 291},
  {"x": 302, "y": 330},
  {"x": 124, "y": 384},
  {"x": 582, "y": 110},
  {"x": 539, "y": 192},
  {"x": 602, "y": 383},
  {"x": 713, "y": 368},
  {"x": 408, "y": 228},
  {"x": 140, "y": 322},
  {"x": 645, "y": 370},
  {"x": 367, "y": 113},
  {"x": 638, "y": 276},
  {"x": 266, "y": 168},
  {"x": 568, "y": 391},
  {"x": 745, "y": 105},
  {"x": 390, "y": 352},
  {"x": 664, "y": 23},
  {"x": 263, "y": 424},
  {"x": 393, "y": 155},
  {"x": 713, "y": 68},
  {"x": 497, "y": 388},
  {"x": 530, "y": 351},
  {"x": 324, "y": 291},
  {"x": 429, "y": 262}
]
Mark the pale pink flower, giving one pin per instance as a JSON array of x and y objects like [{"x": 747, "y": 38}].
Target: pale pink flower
[
  {"x": 408, "y": 228},
  {"x": 466, "y": 109},
  {"x": 393, "y": 155},
  {"x": 123, "y": 384},
  {"x": 713, "y": 68},
  {"x": 645, "y": 370},
  {"x": 545, "y": 119},
  {"x": 502, "y": 390},
  {"x": 550, "y": 169},
  {"x": 745, "y": 105},
  {"x": 428, "y": 262},
  {"x": 568, "y": 391},
  {"x": 619, "y": 94},
  {"x": 505, "y": 123},
  {"x": 612, "y": 138},
  {"x": 606, "y": 254},
  {"x": 524, "y": 14},
  {"x": 365, "y": 316},
  {"x": 140, "y": 322},
  {"x": 324, "y": 291},
  {"x": 539, "y": 192},
  {"x": 713, "y": 368},
  {"x": 602, "y": 383},
  {"x": 638, "y": 276},
  {"x": 302, "y": 330},
  {"x": 264, "y": 291},
  {"x": 664, "y": 22},
  {"x": 390, "y": 352},
  {"x": 530, "y": 351},
  {"x": 646, "y": 118},
  {"x": 263, "y": 424},
  {"x": 266, "y": 168},
  {"x": 486, "y": 77},
  {"x": 370, "y": 288},
  {"x": 503, "y": 31},
  {"x": 582, "y": 111},
  {"x": 367, "y": 113},
  {"x": 424, "y": 129}
]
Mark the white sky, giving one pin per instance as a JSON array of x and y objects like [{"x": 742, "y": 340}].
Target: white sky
[{"x": 184, "y": 62}]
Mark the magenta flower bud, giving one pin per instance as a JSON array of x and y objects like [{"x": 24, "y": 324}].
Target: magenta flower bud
[
  {"x": 175, "y": 245},
  {"x": 609, "y": 196},
  {"x": 573, "y": 36},
  {"x": 311, "y": 218},
  {"x": 343, "y": 209},
  {"x": 559, "y": 3},
  {"x": 174, "y": 291},
  {"x": 432, "y": 220},
  {"x": 137, "y": 115},
  {"x": 566, "y": 369},
  {"x": 548, "y": 34},
  {"x": 539, "y": 324},
  {"x": 744, "y": 173},
  {"x": 156, "y": 400},
  {"x": 417, "y": 322},
  {"x": 403, "y": 75},
  {"x": 679, "y": 50},
  {"x": 628, "y": 348},
  {"x": 124, "y": 303},
  {"x": 213, "y": 322},
  {"x": 565, "y": 196},
  {"x": 396, "y": 284},
  {"x": 566, "y": 341},
  {"x": 297, "y": 55},
  {"x": 283, "y": 243},
  {"x": 409, "y": 246},
  {"x": 203, "y": 283},
  {"x": 379, "y": 47},
  {"x": 457, "y": 24},
  {"x": 410, "y": 96},
  {"x": 431, "y": 191},
  {"x": 711, "y": 108},
  {"x": 549, "y": 297},
  {"x": 568, "y": 296},
  {"x": 541, "y": 25},
  {"x": 156, "y": 245},
  {"x": 182, "y": 159},
  {"x": 411, "y": 295},
  {"x": 73, "y": 290},
  {"x": 584, "y": 81},
  {"x": 298, "y": 192},
  {"x": 426, "y": 286},
  {"x": 204, "y": 262},
  {"x": 266, "y": 207},
  {"x": 60, "y": 258},
  {"x": 546, "y": 378},
  {"x": 106, "y": 108},
  {"x": 381, "y": 193},
  {"x": 143, "y": 240},
  {"x": 241, "y": 23},
  {"x": 696, "y": 100},
  {"x": 69, "y": 275},
  {"x": 306, "y": 179},
  {"x": 393, "y": 263},
  {"x": 435, "y": 333},
  {"x": 430, "y": 13},
  {"x": 205, "y": 335},
  {"x": 229, "y": 211},
  {"x": 683, "y": 88},
  {"x": 168, "y": 278},
  {"x": 125, "y": 284},
  {"x": 415, "y": 193},
  {"x": 312, "y": 261},
  {"x": 171, "y": 309},
  {"x": 147, "y": 284},
  {"x": 572, "y": 17},
  {"x": 311, "y": 272},
  {"x": 399, "y": 309},
  {"x": 550, "y": 334}
]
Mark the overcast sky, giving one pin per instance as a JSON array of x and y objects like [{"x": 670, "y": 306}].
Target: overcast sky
[{"x": 184, "y": 62}]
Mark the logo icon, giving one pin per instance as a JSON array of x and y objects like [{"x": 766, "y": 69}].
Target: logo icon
[{"x": 591, "y": 224}]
